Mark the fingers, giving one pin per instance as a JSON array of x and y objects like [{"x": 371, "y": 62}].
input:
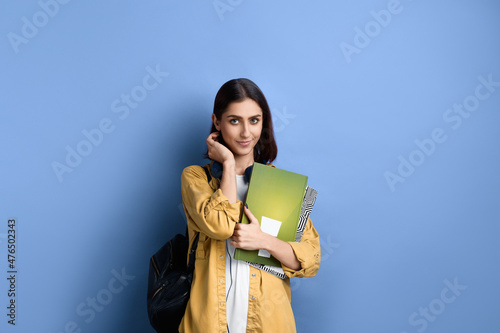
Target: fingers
[
  {"x": 213, "y": 136},
  {"x": 238, "y": 233},
  {"x": 216, "y": 150},
  {"x": 234, "y": 239},
  {"x": 211, "y": 139},
  {"x": 211, "y": 144},
  {"x": 237, "y": 227}
]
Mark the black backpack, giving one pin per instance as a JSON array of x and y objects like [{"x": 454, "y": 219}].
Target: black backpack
[{"x": 169, "y": 281}]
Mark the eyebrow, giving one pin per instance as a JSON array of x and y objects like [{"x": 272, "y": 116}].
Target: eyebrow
[{"x": 239, "y": 117}]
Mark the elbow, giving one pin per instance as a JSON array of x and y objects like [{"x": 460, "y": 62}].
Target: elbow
[
  {"x": 307, "y": 271},
  {"x": 297, "y": 266}
]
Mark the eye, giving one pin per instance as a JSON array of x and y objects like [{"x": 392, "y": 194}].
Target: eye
[
  {"x": 254, "y": 121},
  {"x": 234, "y": 121}
]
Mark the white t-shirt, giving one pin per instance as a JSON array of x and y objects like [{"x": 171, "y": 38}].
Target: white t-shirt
[{"x": 237, "y": 278}]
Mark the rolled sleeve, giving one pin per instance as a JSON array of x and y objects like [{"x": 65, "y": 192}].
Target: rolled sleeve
[
  {"x": 308, "y": 253},
  {"x": 210, "y": 211}
]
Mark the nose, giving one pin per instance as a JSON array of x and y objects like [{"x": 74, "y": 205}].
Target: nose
[{"x": 245, "y": 130}]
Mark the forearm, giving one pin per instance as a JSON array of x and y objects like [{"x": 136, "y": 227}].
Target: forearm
[
  {"x": 250, "y": 237},
  {"x": 228, "y": 181},
  {"x": 282, "y": 251}
]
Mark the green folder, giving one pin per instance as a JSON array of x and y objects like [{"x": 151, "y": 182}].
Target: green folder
[{"x": 275, "y": 198}]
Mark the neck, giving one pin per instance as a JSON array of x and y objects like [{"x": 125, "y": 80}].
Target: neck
[{"x": 241, "y": 163}]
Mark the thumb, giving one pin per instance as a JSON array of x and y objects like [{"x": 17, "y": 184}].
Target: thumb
[{"x": 249, "y": 214}]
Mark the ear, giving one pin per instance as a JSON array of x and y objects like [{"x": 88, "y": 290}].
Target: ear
[{"x": 216, "y": 122}]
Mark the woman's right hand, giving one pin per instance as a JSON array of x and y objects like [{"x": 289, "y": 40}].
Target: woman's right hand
[{"x": 217, "y": 151}]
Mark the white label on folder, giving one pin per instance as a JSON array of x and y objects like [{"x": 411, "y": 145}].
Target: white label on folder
[{"x": 271, "y": 227}]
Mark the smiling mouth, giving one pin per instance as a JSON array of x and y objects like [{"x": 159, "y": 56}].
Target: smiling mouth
[{"x": 244, "y": 143}]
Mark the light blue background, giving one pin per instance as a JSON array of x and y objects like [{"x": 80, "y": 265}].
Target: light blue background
[{"x": 344, "y": 120}]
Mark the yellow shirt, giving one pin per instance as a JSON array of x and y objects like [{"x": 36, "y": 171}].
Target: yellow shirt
[{"x": 209, "y": 212}]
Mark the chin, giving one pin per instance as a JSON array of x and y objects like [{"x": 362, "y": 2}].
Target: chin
[{"x": 243, "y": 151}]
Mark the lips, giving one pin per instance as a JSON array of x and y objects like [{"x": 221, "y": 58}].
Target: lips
[{"x": 244, "y": 143}]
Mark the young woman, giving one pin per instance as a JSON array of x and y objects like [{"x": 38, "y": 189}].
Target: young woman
[{"x": 228, "y": 295}]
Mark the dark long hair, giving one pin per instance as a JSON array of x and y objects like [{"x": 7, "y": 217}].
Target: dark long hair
[{"x": 237, "y": 90}]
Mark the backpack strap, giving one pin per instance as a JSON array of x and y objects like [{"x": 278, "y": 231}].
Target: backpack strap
[
  {"x": 192, "y": 254},
  {"x": 195, "y": 242},
  {"x": 207, "y": 171}
]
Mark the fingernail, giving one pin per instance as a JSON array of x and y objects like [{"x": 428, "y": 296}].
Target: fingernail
[{"x": 246, "y": 205}]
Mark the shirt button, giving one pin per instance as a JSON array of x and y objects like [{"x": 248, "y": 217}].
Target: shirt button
[
  {"x": 221, "y": 304},
  {"x": 221, "y": 257},
  {"x": 253, "y": 275},
  {"x": 221, "y": 280},
  {"x": 253, "y": 298}
]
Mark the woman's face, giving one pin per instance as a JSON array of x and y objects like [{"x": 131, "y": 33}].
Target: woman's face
[{"x": 240, "y": 126}]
